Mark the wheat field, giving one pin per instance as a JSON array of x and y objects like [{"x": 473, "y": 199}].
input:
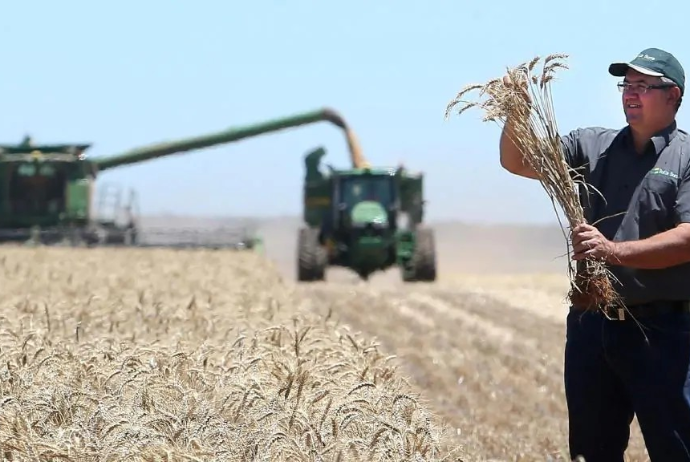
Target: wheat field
[
  {"x": 144, "y": 354},
  {"x": 164, "y": 355}
]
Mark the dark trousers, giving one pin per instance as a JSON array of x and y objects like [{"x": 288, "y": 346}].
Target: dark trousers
[{"x": 615, "y": 370}]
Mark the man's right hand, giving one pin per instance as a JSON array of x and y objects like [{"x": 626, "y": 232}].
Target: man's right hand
[{"x": 519, "y": 86}]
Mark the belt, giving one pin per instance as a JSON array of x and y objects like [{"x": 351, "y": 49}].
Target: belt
[{"x": 646, "y": 310}]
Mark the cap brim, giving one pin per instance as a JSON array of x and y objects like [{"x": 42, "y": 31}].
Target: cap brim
[{"x": 620, "y": 69}]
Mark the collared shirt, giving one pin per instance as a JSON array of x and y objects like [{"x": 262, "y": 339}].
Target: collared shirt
[{"x": 643, "y": 195}]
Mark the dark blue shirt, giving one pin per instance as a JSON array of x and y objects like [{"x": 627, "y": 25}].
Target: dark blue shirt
[{"x": 643, "y": 195}]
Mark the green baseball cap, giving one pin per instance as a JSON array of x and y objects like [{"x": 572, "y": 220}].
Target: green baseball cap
[{"x": 656, "y": 62}]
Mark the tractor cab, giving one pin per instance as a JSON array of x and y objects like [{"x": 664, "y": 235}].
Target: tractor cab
[
  {"x": 365, "y": 200},
  {"x": 372, "y": 188}
]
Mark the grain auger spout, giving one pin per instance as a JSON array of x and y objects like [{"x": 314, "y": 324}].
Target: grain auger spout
[
  {"x": 356, "y": 157},
  {"x": 229, "y": 135}
]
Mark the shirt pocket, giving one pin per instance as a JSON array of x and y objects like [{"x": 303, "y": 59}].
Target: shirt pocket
[{"x": 655, "y": 201}]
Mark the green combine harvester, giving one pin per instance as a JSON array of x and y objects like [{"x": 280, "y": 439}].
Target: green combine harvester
[
  {"x": 47, "y": 191},
  {"x": 365, "y": 219}
]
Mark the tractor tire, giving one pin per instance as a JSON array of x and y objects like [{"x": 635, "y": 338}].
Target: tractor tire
[
  {"x": 312, "y": 257},
  {"x": 424, "y": 259}
]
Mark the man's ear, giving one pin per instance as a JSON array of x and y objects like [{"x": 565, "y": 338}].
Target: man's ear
[{"x": 674, "y": 95}]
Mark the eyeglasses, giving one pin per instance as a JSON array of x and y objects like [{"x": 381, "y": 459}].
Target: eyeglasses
[{"x": 641, "y": 88}]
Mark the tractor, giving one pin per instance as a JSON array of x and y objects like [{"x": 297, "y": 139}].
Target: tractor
[{"x": 365, "y": 219}]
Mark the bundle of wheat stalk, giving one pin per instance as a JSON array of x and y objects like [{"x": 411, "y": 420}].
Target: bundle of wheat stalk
[{"x": 525, "y": 97}]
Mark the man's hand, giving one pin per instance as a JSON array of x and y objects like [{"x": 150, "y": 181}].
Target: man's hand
[
  {"x": 519, "y": 86},
  {"x": 588, "y": 242}
]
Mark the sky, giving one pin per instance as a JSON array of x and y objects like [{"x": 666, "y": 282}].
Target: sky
[{"x": 126, "y": 74}]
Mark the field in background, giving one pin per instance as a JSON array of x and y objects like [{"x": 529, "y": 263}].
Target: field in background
[{"x": 180, "y": 349}]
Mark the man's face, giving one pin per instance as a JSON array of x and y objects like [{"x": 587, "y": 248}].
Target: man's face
[{"x": 650, "y": 108}]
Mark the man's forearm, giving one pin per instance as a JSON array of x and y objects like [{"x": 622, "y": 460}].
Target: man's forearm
[
  {"x": 665, "y": 249},
  {"x": 512, "y": 158}
]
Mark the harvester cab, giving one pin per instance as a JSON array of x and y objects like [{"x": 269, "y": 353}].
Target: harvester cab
[
  {"x": 365, "y": 219},
  {"x": 45, "y": 193}
]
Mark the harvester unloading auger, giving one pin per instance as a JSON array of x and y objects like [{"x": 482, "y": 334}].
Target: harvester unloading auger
[{"x": 47, "y": 190}]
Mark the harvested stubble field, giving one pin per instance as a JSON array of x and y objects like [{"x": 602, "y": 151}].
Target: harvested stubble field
[{"x": 164, "y": 355}]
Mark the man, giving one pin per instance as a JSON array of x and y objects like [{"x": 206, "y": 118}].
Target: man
[{"x": 637, "y": 364}]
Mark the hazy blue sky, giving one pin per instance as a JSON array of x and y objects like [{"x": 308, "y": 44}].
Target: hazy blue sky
[{"x": 147, "y": 71}]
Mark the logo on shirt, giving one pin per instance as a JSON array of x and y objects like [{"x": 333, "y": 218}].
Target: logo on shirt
[{"x": 661, "y": 171}]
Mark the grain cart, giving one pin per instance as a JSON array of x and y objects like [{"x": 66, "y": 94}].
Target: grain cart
[
  {"x": 47, "y": 191},
  {"x": 365, "y": 219}
]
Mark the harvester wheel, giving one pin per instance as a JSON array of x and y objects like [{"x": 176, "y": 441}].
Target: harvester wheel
[
  {"x": 312, "y": 258},
  {"x": 424, "y": 259}
]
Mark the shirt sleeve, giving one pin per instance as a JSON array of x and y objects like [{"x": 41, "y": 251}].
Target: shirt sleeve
[
  {"x": 571, "y": 148},
  {"x": 681, "y": 208}
]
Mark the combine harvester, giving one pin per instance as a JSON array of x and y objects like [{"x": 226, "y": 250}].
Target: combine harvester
[{"x": 47, "y": 192}]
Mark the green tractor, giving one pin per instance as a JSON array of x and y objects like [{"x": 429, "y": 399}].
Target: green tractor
[
  {"x": 47, "y": 191},
  {"x": 365, "y": 219}
]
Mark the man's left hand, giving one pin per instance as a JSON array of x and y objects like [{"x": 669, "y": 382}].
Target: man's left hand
[{"x": 588, "y": 242}]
